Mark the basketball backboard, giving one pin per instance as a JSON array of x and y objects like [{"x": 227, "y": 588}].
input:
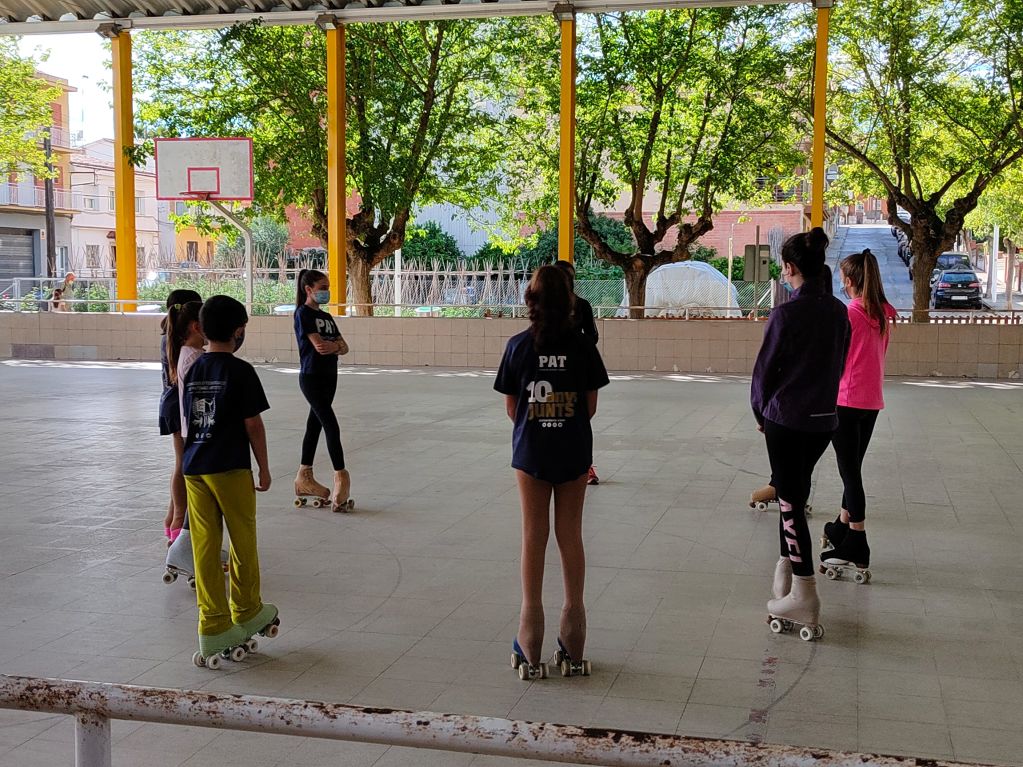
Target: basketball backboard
[{"x": 203, "y": 168}]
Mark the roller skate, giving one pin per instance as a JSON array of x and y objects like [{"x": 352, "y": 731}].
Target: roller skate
[
  {"x": 340, "y": 500},
  {"x": 800, "y": 607},
  {"x": 591, "y": 476},
  {"x": 180, "y": 562},
  {"x": 568, "y": 666},
  {"x": 782, "y": 578},
  {"x": 852, "y": 554},
  {"x": 762, "y": 499},
  {"x": 309, "y": 492},
  {"x": 834, "y": 533},
  {"x": 266, "y": 623},
  {"x": 527, "y": 671},
  {"x": 228, "y": 645}
]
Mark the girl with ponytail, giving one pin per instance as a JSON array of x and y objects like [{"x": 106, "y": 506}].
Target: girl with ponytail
[
  {"x": 793, "y": 394},
  {"x": 319, "y": 345},
  {"x": 860, "y": 399}
]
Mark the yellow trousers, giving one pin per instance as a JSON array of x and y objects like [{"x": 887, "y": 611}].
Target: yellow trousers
[{"x": 214, "y": 499}]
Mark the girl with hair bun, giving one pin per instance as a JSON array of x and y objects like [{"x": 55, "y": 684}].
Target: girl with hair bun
[
  {"x": 550, "y": 375},
  {"x": 860, "y": 399},
  {"x": 793, "y": 396}
]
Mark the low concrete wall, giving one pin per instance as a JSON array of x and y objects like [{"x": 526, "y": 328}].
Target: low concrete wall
[{"x": 697, "y": 346}]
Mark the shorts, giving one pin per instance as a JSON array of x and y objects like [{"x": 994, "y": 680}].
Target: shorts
[
  {"x": 555, "y": 477},
  {"x": 170, "y": 412}
]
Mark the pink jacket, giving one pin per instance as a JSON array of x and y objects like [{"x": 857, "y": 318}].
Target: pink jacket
[{"x": 862, "y": 382}]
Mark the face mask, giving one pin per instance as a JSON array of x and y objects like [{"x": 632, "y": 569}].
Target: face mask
[
  {"x": 321, "y": 296},
  {"x": 239, "y": 340}
]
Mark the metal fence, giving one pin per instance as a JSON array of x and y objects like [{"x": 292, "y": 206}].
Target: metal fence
[{"x": 94, "y": 704}]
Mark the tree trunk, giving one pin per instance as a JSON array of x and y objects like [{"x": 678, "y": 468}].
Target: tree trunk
[
  {"x": 361, "y": 284},
  {"x": 635, "y": 283}
]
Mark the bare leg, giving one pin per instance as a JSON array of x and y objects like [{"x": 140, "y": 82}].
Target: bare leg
[
  {"x": 568, "y": 529},
  {"x": 535, "y": 497},
  {"x": 179, "y": 497}
]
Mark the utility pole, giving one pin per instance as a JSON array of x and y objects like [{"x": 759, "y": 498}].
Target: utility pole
[
  {"x": 992, "y": 268},
  {"x": 51, "y": 222}
]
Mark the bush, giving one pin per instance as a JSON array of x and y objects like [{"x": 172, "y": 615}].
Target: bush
[
  {"x": 430, "y": 244},
  {"x": 265, "y": 294}
]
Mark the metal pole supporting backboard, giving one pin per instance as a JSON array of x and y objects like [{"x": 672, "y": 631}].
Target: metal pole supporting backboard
[{"x": 247, "y": 239}]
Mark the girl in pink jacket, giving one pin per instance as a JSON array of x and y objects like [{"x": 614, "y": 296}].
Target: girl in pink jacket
[{"x": 860, "y": 399}]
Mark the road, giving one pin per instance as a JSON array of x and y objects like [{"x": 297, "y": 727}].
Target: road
[{"x": 894, "y": 275}]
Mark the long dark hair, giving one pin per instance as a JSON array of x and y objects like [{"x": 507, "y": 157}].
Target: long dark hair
[
  {"x": 306, "y": 279},
  {"x": 807, "y": 251},
  {"x": 179, "y": 296},
  {"x": 862, "y": 270},
  {"x": 549, "y": 301},
  {"x": 179, "y": 319}
]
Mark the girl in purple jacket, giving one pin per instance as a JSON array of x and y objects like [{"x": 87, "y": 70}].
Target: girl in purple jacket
[{"x": 793, "y": 395}]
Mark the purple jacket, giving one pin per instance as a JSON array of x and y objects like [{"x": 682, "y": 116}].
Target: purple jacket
[{"x": 796, "y": 376}]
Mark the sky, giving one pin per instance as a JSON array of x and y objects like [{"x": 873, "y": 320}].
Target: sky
[{"x": 81, "y": 59}]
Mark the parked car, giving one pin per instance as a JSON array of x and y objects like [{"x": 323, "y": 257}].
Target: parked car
[
  {"x": 948, "y": 260},
  {"x": 957, "y": 288}
]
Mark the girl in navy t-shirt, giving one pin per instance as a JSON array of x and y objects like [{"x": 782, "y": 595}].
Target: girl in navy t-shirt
[
  {"x": 319, "y": 345},
  {"x": 550, "y": 376}
]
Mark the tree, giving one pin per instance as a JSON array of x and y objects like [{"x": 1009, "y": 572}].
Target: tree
[
  {"x": 430, "y": 244},
  {"x": 683, "y": 108},
  {"x": 269, "y": 242},
  {"x": 926, "y": 96},
  {"x": 416, "y": 132},
  {"x": 1001, "y": 205},
  {"x": 26, "y": 112}
]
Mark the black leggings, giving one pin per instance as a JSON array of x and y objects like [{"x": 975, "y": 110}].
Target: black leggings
[
  {"x": 855, "y": 428},
  {"x": 793, "y": 455},
  {"x": 319, "y": 391}
]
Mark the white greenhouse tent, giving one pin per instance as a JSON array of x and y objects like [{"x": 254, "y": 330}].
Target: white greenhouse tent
[{"x": 695, "y": 286}]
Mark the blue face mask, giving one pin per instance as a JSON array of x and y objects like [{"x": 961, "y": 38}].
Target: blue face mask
[{"x": 321, "y": 297}]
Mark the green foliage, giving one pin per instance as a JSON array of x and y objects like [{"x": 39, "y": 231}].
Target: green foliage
[
  {"x": 430, "y": 244},
  {"x": 1002, "y": 204},
  {"x": 25, "y": 112},
  {"x": 269, "y": 242},
  {"x": 92, "y": 297},
  {"x": 266, "y": 294}
]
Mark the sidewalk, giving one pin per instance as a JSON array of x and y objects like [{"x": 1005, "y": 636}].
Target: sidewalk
[{"x": 999, "y": 301}]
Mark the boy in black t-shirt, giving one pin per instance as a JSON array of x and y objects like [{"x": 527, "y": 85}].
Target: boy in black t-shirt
[{"x": 223, "y": 400}]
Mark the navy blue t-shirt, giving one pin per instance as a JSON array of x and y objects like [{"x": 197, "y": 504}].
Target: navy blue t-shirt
[
  {"x": 309, "y": 320},
  {"x": 552, "y": 438},
  {"x": 221, "y": 391}
]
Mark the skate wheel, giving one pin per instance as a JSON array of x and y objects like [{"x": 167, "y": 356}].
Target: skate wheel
[
  {"x": 776, "y": 626},
  {"x": 197, "y": 660},
  {"x": 807, "y": 634},
  {"x": 238, "y": 653},
  {"x": 559, "y": 657},
  {"x": 831, "y": 573},
  {"x": 516, "y": 661},
  {"x": 587, "y": 668},
  {"x": 867, "y": 576},
  {"x": 523, "y": 672},
  {"x": 566, "y": 668},
  {"x": 213, "y": 662},
  {"x": 859, "y": 579},
  {"x": 299, "y": 503},
  {"x": 252, "y": 645},
  {"x": 809, "y": 510},
  {"x": 191, "y": 582},
  {"x": 272, "y": 630},
  {"x": 761, "y": 506},
  {"x": 818, "y": 632},
  {"x": 169, "y": 577},
  {"x": 318, "y": 504},
  {"x": 544, "y": 671}
]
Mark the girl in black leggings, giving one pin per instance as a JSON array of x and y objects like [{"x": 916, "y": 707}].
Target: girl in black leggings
[
  {"x": 794, "y": 390},
  {"x": 319, "y": 345},
  {"x": 860, "y": 399}
]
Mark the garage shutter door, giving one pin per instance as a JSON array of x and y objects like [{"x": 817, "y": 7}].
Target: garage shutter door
[{"x": 17, "y": 256}]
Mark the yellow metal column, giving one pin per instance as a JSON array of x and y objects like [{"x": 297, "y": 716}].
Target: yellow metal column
[
  {"x": 820, "y": 91},
  {"x": 566, "y": 169},
  {"x": 337, "y": 240},
  {"x": 124, "y": 172}
]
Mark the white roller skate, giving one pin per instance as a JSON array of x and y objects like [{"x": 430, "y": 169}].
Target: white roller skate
[
  {"x": 309, "y": 492},
  {"x": 800, "y": 607},
  {"x": 180, "y": 561},
  {"x": 266, "y": 623},
  {"x": 340, "y": 499},
  {"x": 762, "y": 499},
  {"x": 228, "y": 645},
  {"x": 851, "y": 555},
  {"x": 782, "y": 578},
  {"x": 570, "y": 667},
  {"x": 527, "y": 671}
]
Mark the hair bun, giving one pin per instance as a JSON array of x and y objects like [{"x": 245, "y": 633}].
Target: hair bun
[{"x": 817, "y": 238}]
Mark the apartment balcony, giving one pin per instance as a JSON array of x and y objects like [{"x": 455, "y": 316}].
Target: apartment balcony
[{"x": 31, "y": 198}]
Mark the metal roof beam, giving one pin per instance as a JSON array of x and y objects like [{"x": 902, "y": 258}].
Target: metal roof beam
[{"x": 357, "y": 13}]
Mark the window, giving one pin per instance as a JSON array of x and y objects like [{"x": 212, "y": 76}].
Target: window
[
  {"x": 180, "y": 208},
  {"x": 192, "y": 250},
  {"x": 92, "y": 256},
  {"x": 90, "y": 203},
  {"x": 111, "y": 200},
  {"x": 140, "y": 254},
  {"x": 62, "y": 259},
  {"x": 140, "y": 205}
]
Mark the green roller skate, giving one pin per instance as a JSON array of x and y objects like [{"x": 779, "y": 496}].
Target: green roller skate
[
  {"x": 229, "y": 645},
  {"x": 266, "y": 623}
]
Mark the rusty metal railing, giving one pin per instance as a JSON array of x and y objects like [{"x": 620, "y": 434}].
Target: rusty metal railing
[{"x": 94, "y": 704}]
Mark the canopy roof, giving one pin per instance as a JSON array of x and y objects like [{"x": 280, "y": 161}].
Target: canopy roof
[{"x": 24, "y": 17}]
